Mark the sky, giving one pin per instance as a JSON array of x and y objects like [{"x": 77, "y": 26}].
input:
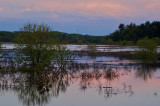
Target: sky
[{"x": 92, "y": 17}]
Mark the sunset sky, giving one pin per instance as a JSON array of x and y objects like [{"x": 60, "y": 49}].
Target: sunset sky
[{"x": 95, "y": 17}]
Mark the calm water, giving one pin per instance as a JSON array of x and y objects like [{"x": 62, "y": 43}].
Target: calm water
[
  {"x": 94, "y": 81},
  {"x": 101, "y": 48},
  {"x": 129, "y": 86}
]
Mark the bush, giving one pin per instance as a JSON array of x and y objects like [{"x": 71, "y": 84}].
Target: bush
[
  {"x": 126, "y": 43},
  {"x": 109, "y": 41},
  {"x": 92, "y": 47},
  {"x": 157, "y": 40},
  {"x": 37, "y": 49},
  {"x": 62, "y": 57},
  {"x": 147, "y": 50},
  {"x": 80, "y": 42}
]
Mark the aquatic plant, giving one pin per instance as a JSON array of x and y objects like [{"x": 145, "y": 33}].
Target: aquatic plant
[{"x": 110, "y": 74}]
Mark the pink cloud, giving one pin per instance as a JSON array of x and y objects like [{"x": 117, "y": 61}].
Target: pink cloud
[
  {"x": 1, "y": 9},
  {"x": 26, "y": 10},
  {"x": 88, "y": 8}
]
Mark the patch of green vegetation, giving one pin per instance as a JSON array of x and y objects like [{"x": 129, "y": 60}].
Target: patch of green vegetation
[
  {"x": 147, "y": 50},
  {"x": 62, "y": 57},
  {"x": 133, "y": 32},
  {"x": 37, "y": 49},
  {"x": 109, "y": 41},
  {"x": 92, "y": 47}
]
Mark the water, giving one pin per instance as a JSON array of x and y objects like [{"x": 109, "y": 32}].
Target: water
[
  {"x": 100, "y": 48},
  {"x": 130, "y": 86},
  {"x": 95, "y": 81}
]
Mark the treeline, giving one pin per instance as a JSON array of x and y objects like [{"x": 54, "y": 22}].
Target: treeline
[
  {"x": 6, "y": 36},
  {"x": 78, "y": 38},
  {"x": 65, "y": 38},
  {"x": 130, "y": 34},
  {"x": 125, "y": 35}
]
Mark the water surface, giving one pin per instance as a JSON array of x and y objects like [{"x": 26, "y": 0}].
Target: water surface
[{"x": 91, "y": 81}]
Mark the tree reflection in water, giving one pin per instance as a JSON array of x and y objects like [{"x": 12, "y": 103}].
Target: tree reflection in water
[
  {"x": 102, "y": 79},
  {"x": 34, "y": 88},
  {"x": 145, "y": 71},
  {"x": 38, "y": 88}
]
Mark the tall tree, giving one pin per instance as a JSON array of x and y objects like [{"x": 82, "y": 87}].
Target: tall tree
[{"x": 121, "y": 27}]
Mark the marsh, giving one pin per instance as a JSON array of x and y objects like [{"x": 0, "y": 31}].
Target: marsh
[{"x": 89, "y": 80}]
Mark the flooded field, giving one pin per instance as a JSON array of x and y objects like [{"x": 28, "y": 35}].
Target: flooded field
[
  {"x": 100, "y": 48},
  {"x": 90, "y": 81}
]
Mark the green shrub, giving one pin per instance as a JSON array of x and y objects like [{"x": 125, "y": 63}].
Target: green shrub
[
  {"x": 157, "y": 40},
  {"x": 80, "y": 42},
  {"x": 37, "y": 49},
  {"x": 63, "y": 57},
  {"x": 92, "y": 47},
  {"x": 109, "y": 41},
  {"x": 126, "y": 43},
  {"x": 147, "y": 50}
]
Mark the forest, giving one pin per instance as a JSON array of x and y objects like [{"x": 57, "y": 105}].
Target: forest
[
  {"x": 6, "y": 36},
  {"x": 124, "y": 35},
  {"x": 132, "y": 33}
]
